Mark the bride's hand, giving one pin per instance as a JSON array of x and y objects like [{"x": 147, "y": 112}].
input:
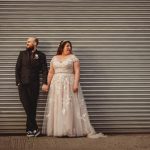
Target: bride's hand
[
  {"x": 45, "y": 88},
  {"x": 75, "y": 88}
]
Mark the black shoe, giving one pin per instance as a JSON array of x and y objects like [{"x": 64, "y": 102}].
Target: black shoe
[
  {"x": 30, "y": 134},
  {"x": 36, "y": 132}
]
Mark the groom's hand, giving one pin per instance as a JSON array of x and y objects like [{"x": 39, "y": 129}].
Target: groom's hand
[{"x": 45, "y": 88}]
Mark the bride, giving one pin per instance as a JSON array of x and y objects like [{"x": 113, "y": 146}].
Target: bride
[{"x": 66, "y": 113}]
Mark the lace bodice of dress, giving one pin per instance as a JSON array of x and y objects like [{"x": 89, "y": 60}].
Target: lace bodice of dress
[{"x": 64, "y": 66}]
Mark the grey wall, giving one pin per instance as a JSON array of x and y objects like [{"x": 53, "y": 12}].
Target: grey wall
[{"x": 111, "y": 39}]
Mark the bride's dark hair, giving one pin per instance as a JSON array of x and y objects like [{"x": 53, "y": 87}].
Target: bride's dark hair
[{"x": 61, "y": 47}]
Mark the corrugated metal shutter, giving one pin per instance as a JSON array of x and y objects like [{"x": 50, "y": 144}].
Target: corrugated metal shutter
[{"x": 112, "y": 40}]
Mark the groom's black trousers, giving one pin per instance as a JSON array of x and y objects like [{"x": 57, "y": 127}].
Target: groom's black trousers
[{"x": 28, "y": 94}]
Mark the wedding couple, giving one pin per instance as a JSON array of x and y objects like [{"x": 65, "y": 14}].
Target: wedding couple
[{"x": 65, "y": 113}]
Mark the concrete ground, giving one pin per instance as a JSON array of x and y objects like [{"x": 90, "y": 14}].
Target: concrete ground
[{"x": 112, "y": 142}]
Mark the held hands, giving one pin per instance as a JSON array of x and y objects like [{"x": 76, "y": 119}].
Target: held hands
[{"x": 45, "y": 88}]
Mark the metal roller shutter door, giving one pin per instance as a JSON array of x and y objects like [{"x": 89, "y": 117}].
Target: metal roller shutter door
[{"x": 111, "y": 39}]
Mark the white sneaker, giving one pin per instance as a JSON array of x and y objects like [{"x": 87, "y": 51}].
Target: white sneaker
[
  {"x": 36, "y": 132},
  {"x": 30, "y": 134}
]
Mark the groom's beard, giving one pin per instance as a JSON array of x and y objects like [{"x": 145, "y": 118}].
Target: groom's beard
[{"x": 30, "y": 48}]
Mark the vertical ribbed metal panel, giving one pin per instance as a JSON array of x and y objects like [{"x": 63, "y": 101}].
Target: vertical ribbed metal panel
[{"x": 112, "y": 40}]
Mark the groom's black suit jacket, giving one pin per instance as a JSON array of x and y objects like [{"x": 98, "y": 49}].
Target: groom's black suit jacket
[{"x": 29, "y": 67}]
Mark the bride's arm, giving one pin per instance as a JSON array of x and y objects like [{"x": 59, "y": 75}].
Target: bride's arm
[
  {"x": 77, "y": 75},
  {"x": 50, "y": 75}
]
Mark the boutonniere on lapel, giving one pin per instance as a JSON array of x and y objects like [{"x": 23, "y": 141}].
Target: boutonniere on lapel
[{"x": 36, "y": 56}]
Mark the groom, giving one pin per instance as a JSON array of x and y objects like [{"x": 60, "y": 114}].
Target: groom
[{"x": 28, "y": 67}]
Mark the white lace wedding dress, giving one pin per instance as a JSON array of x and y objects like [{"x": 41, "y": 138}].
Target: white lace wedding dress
[{"x": 66, "y": 113}]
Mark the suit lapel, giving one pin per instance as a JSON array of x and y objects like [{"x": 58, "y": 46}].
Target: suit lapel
[{"x": 27, "y": 57}]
